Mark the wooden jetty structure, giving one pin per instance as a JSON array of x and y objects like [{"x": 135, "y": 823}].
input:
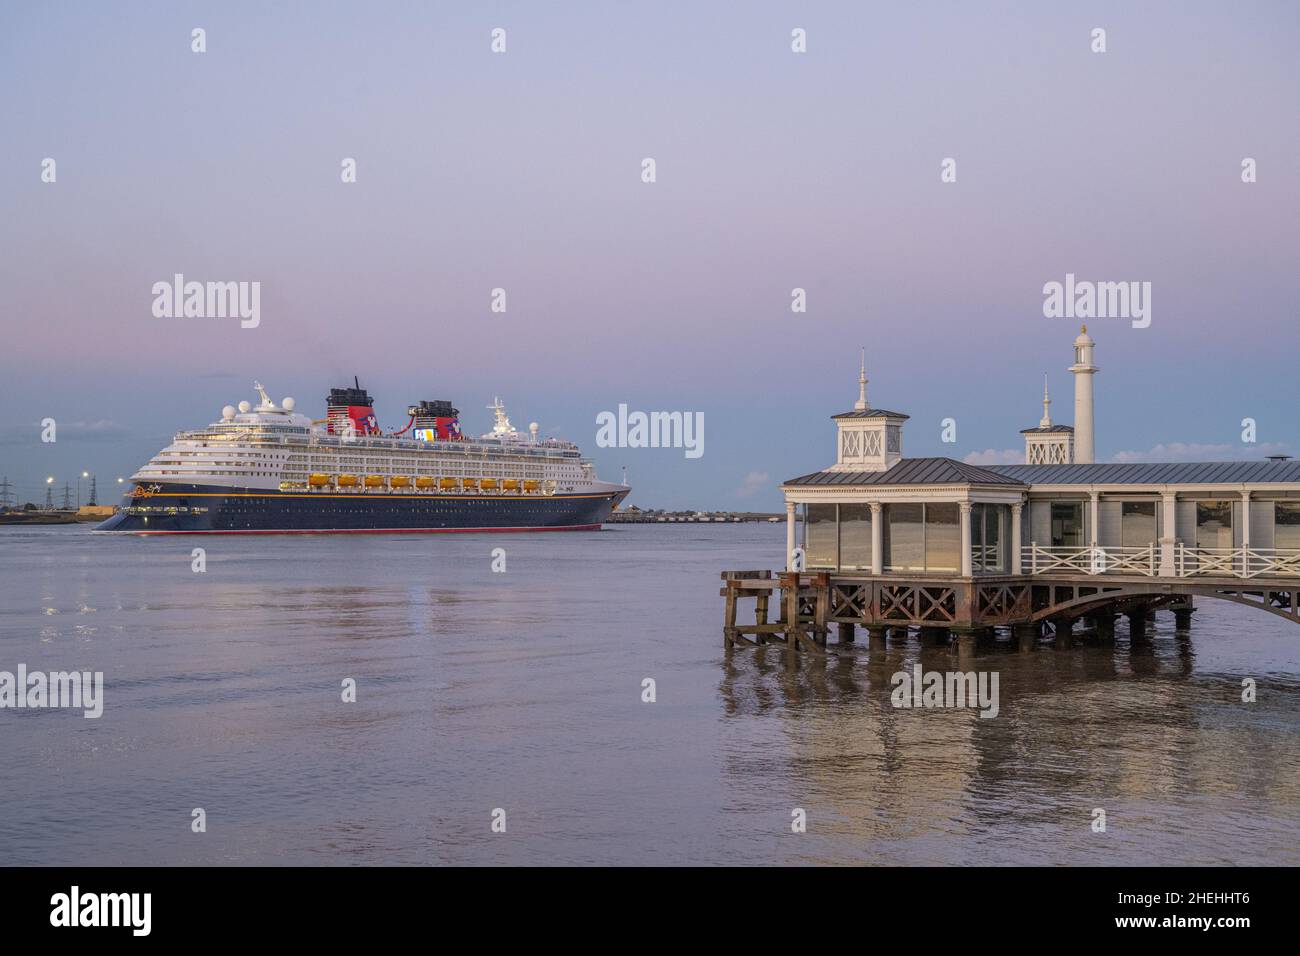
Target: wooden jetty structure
[
  {"x": 797, "y": 609},
  {"x": 947, "y": 547}
]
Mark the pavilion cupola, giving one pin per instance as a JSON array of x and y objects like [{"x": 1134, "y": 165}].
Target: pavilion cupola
[
  {"x": 1048, "y": 444},
  {"x": 869, "y": 439}
]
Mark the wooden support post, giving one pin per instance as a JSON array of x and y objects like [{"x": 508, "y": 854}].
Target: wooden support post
[
  {"x": 790, "y": 610},
  {"x": 966, "y": 643},
  {"x": 846, "y": 633},
  {"x": 1137, "y": 624},
  {"x": 1105, "y": 621},
  {"x": 760, "y": 614},
  {"x": 876, "y": 637},
  {"x": 821, "y": 606},
  {"x": 937, "y": 636},
  {"x": 1026, "y": 634},
  {"x": 729, "y": 619},
  {"x": 1063, "y": 627}
]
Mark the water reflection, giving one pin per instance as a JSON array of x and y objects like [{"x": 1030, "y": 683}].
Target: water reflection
[
  {"x": 523, "y": 690},
  {"x": 1130, "y": 728}
]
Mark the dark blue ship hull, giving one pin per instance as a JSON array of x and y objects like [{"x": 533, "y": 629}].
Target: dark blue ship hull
[{"x": 205, "y": 509}]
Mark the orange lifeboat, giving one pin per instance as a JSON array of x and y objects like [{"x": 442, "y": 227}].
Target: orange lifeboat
[
  {"x": 488, "y": 484},
  {"x": 320, "y": 481},
  {"x": 530, "y": 484},
  {"x": 447, "y": 483},
  {"x": 469, "y": 483},
  {"x": 400, "y": 481},
  {"x": 375, "y": 481},
  {"x": 425, "y": 482},
  {"x": 347, "y": 481},
  {"x": 510, "y": 484}
]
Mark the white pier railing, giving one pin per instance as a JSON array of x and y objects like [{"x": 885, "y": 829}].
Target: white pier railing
[
  {"x": 1238, "y": 562},
  {"x": 1187, "y": 562},
  {"x": 1037, "y": 559}
]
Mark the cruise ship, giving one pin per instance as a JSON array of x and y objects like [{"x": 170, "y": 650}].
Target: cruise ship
[{"x": 269, "y": 469}]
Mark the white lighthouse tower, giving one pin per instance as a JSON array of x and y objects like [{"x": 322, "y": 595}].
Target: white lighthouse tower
[{"x": 1083, "y": 371}]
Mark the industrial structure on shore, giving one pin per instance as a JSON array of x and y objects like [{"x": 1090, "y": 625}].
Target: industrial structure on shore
[{"x": 884, "y": 541}]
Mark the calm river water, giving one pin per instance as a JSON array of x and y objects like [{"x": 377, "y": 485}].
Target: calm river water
[{"x": 522, "y": 691}]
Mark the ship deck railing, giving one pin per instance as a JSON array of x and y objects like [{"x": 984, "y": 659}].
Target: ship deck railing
[{"x": 548, "y": 448}]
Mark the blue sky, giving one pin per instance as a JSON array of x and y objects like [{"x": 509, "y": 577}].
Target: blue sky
[{"x": 775, "y": 170}]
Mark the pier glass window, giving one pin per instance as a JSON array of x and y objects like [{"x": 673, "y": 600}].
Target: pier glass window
[
  {"x": 1286, "y": 526},
  {"x": 1067, "y": 524},
  {"x": 942, "y": 537},
  {"x": 987, "y": 536},
  {"x": 904, "y": 537},
  {"x": 821, "y": 540},
  {"x": 1137, "y": 524},
  {"x": 1214, "y": 524},
  {"x": 922, "y": 537},
  {"x": 855, "y": 537}
]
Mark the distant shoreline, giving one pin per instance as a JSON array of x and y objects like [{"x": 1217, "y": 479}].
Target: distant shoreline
[{"x": 692, "y": 517}]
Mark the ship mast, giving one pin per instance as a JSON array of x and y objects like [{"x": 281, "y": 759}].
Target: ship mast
[{"x": 501, "y": 425}]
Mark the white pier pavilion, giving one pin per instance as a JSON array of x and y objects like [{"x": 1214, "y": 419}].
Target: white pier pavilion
[{"x": 875, "y": 512}]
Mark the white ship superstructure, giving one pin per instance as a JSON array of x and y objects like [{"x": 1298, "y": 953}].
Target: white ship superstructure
[
  {"x": 269, "y": 468},
  {"x": 272, "y": 447}
]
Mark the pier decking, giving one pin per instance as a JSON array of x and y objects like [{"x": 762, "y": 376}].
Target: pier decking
[{"x": 797, "y": 609}]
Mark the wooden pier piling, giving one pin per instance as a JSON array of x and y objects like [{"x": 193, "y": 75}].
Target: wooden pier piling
[
  {"x": 1183, "y": 609},
  {"x": 876, "y": 637},
  {"x": 797, "y": 609},
  {"x": 935, "y": 636},
  {"x": 1063, "y": 629},
  {"x": 1027, "y": 634},
  {"x": 1137, "y": 624}
]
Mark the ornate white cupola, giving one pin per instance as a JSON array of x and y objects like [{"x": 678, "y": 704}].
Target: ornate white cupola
[
  {"x": 870, "y": 439},
  {"x": 1048, "y": 444}
]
